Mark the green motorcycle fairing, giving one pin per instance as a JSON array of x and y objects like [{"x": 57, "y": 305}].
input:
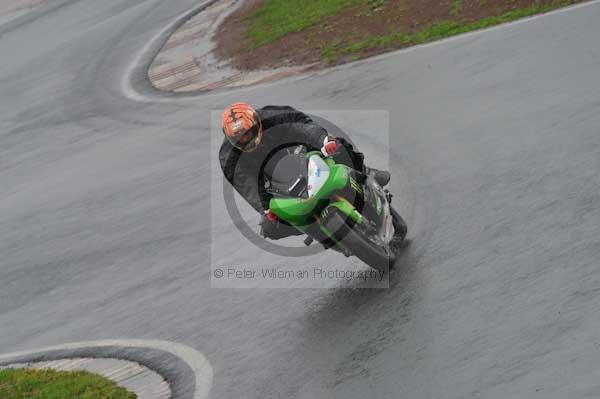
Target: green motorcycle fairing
[
  {"x": 301, "y": 212},
  {"x": 328, "y": 185}
]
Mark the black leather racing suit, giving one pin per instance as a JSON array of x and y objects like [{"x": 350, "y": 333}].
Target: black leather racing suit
[{"x": 283, "y": 126}]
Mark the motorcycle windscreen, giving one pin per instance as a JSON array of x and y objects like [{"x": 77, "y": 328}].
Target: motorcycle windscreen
[
  {"x": 286, "y": 172},
  {"x": 318, "y": 172}
]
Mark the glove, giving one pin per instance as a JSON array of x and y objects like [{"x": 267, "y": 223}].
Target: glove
[{"x": 329, "y": 146}]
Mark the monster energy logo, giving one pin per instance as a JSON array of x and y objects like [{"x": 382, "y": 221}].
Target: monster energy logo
[{"x": 355, "y": 186}]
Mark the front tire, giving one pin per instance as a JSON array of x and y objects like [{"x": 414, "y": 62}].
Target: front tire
[{"x": 356, "y": 242}]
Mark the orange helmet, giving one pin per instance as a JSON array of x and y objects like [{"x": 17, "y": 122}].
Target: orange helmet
[{"x": 242, "y": 126}]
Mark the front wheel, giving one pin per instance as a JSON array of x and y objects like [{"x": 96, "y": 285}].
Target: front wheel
[{"x": 357, "y": 242}]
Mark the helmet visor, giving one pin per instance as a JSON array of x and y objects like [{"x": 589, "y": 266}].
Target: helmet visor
[{"x": 248, "y": 140}]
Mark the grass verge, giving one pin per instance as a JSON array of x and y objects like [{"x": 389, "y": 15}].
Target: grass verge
[
  {"x": 272, "y": 33},
  {"x": 436, "y": 31},
  {"x": 51, "y": 384},
  {"x": 277, "y": 18}
]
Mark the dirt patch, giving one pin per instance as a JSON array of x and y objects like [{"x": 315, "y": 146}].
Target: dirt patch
[{"x": 354, "y": 24}]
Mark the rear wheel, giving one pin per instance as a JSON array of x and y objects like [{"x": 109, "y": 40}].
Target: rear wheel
[
  {"x": 355, "y": 240},
  {"x": 400, "y": 228}
]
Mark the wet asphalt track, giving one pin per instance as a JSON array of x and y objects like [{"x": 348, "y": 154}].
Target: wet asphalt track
[{"x": 105, "y": 224}]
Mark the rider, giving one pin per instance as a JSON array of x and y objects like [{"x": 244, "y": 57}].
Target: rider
[{"x": 252, "y": 136}]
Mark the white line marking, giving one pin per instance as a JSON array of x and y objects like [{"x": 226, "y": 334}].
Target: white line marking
[
  {"x": 195, "y": 360},
  {"x": 126, "y": 85}
]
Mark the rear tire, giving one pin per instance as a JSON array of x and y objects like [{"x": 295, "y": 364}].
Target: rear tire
[
  {"x": 354, "y": 240},
  {"x": 400, "y": 228}
]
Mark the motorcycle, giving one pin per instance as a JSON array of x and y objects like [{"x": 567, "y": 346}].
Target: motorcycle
[{"x": 337, "y": 206}]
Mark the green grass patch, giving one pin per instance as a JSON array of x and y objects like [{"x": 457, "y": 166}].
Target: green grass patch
[
  {"x": 51, "y": 384},
  {"x": 276, "y": 18},
  {"x": 434, "y": 32}
]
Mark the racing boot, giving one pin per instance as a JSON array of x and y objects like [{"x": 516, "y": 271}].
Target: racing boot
[{"x": 382, "y": 177}]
